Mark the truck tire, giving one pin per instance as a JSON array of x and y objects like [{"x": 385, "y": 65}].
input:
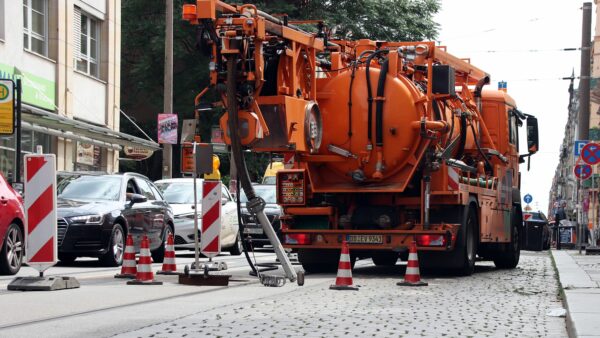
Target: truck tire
[
  {"x": 508, "y": 257},
  {"x": 385, "y": 258},
  {"x": 466, "y": 243},
  {"x": 320, "y": 261}
]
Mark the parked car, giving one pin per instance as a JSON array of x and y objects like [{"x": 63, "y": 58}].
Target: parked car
[
  {"x": 12, "y": 223},
  {"x": 179, "y": 192},
  {"x": 97, "y": 212},
  {"x": 253, "y": 229},
  {"x": 538, "y": 235}
]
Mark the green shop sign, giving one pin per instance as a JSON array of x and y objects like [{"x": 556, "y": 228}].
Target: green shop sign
[{"x": 37, "y": 91}]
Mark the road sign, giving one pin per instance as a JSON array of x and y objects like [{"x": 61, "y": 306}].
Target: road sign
[
  {"x": 528, "y": 198},
  {"x": 578, "y": 145},
  {"x": 7, "y": 107},
  {"x": 210, "y": 245},
  {"x": 590, "y": 153},
  {"x": 527, "y": 216},
  {"x": 583, "y": 171},
  {"x": 40, "y": 210}
]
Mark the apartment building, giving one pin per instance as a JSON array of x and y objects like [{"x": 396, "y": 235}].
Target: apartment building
[{"x": 67, "y": 55}]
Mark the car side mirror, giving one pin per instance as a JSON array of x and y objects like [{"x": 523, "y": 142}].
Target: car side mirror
[{"x": 137, "y": 198}]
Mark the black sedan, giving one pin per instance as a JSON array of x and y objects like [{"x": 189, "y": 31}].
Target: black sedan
[
  {"x": 97, "y": 212},
  {"x": 252, "y": 229}
]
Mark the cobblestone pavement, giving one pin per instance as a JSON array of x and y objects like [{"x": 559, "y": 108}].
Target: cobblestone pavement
[{"x": 491, "y": 303}]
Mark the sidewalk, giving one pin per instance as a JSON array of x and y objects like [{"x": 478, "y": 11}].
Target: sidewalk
[{"x": 579, "y": 276}]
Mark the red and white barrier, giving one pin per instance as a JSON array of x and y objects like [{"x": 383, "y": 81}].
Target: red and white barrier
[
  {"x": 453, "y": 179},
  {"x": 40, "y": 210},
  {"x": 210, "y": 243}
]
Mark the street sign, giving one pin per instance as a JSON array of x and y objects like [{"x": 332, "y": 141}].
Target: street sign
[
  {"x": 7, "y": 107},
  {"x": 590, "y": 153},
  {"x": 40, "y": 210},
  {"x": 578, "y": 145},
  {"x": 527, "y": 216},
  {"x": 528, "y": 198},
  {"x": 583, "y": 171},
  {"x": 210, "y": 245}
]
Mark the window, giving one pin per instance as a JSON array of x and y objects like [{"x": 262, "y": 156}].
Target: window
[
  {"x": 2, "y": 19},
  {"x": 87, "y": 43},
  {"x": 145, "y": 189},
  {"x": 35, "y": 26},
  {"x": 513, "y": 132}
]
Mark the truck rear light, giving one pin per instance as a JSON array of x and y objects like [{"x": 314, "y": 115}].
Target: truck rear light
[
  {"x": 431, "y": 240},
  {"x": 300, "y": 239}
]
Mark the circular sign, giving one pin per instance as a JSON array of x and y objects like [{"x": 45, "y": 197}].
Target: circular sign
[
  {"x": 528, "y": 198},
  {"x": 583, "y": 171},
  {"x": 4, "y": 91},
  {"x": 590, "y": 153}
]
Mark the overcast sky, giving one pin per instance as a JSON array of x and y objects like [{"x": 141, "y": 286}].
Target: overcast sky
[{"x": 500, "y": 38}]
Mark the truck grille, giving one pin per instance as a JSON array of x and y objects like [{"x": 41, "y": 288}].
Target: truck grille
[{"x": 61, "y": 231}]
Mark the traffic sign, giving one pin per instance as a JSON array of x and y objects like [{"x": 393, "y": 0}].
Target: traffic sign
[
  {"x": 527, "y": 216},
  {"x": 7, "y": 107},
  {"x": 528, "y": 198},
  {"x": 578, "y": 145},
  {"x": 210, "y": 245},
  {"x": 40, "y": 210},
  {"x": 590, "y": 153},
  {"x": 583, "y": 171}
]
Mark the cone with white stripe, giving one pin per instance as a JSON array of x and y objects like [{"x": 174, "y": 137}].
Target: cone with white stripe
[
  {"x": 169, "y": 267},
  {"x": 412, "y": 277},
  {"x": 144, "y": 275},
  {"x": 343, "y": 281},
  {"x": 128, "y": 269}
]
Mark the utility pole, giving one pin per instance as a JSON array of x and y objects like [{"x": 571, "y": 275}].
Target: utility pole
[
  {"x": 167, "y": 170},
  {"x": 583, "y": 125}
]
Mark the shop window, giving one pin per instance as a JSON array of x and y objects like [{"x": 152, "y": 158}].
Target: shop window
[
  {"x": 35, "y": 26},
  {"x": 87, "y": 43}
]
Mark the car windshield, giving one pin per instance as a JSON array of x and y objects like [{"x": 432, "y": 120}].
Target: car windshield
[
  {"x": 96, "y": 188},
  {"x": 180, "y": 192},
  {"x": 267, "y": 192}
]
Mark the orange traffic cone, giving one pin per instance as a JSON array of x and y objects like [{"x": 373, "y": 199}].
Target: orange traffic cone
[
  {"x": 128, "y": 269},
  {"x": 343, "y": 281},
  {"x": 169, "y": 267},
  {"x": 144, "y": 275},
  {"x": 412, "y": 277}
]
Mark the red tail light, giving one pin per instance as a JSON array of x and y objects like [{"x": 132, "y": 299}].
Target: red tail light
[
  {"x": 300, "y": 239},
  {"x": 431, "y": 240}
]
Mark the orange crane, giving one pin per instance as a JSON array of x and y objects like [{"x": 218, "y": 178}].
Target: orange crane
[{"x": 393, "y": 142}]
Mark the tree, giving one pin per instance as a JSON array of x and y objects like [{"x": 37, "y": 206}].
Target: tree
[{"x": 142, "y": 33}]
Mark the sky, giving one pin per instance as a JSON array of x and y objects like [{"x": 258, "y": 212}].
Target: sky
[{"x": 517, "y": 41}]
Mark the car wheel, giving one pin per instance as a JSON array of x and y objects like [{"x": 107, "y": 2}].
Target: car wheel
[
  {"x": 67, "y": 258},
  {"x": 237, "y": 247},
  {"x": 158, "y": 255},
  {"x": 114, "y": 255},
  {"x": 11, "y": 255}
]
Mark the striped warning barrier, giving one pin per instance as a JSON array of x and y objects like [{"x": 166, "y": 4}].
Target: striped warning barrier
[
  {"x": 40, "y": 210},
  {"x": 210, "y": 244},
  {"x": 453, "y": 178}
]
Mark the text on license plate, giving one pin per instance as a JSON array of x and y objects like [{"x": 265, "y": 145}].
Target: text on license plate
[
  {"x": 255, "y": 231},
  {"x": 364, "y": 239}
]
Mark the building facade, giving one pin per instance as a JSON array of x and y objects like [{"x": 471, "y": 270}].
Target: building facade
[{"x": 67, "y": 55}]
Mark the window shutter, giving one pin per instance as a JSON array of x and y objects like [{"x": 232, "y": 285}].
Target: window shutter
[{"x": 77, "y": 34}]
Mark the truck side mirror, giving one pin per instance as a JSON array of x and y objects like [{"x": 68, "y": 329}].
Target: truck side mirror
[{"x": 532, "y": 135}]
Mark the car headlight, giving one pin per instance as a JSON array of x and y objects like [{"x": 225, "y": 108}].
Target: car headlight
[{"x": 87, "y": 219}]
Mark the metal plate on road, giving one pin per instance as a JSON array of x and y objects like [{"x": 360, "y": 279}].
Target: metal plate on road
[
  {"x": 590, "y": 153},
  {"x": 364, "y": 239}
]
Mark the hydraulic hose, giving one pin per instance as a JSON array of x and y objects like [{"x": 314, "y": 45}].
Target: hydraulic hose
[
  {"x": 379, "y": 104},
  {"x": 370, "y": 93},
  {"x": 241, "y": 226},
  {"x": 463, "y": 136}
]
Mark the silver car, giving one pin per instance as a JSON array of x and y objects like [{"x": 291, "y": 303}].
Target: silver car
[{"x": 179, "y": 192}]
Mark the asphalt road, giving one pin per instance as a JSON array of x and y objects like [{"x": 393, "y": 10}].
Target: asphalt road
[{"x": 491, "y": 303}]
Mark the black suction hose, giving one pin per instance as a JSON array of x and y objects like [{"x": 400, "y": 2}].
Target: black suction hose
[
  {"x": 379, "y": 104},
  {"x": 241, "y": 226},
  {"x": 463, "y": 136},
  {"x": 369, "y": 91}
]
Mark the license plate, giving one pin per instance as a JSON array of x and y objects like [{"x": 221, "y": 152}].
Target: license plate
[
  {"x": 253, "y": 231},
  {"x": 364, "y": 239}
]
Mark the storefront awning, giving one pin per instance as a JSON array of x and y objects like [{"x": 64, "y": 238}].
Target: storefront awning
[{"x": 40, "y": 120}]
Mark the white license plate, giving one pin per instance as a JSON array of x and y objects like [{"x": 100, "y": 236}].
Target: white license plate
[
  {"x": 253, "y": 231},
  {"x": 364, "y": 239}
]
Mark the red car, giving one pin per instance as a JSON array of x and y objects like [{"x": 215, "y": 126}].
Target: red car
[{"x": 12, "y": 221}]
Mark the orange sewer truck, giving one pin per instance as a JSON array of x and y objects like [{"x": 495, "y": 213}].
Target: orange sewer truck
[{"x": 392, "y": 142}]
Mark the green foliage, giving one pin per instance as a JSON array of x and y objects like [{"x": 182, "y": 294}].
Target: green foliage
[{"x": 142, "y": 34}]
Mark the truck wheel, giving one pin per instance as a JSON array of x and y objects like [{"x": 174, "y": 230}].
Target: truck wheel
[
  {"x": 509, "y": 257},
  {"x": 320, "y": 261},
  {"x": 384, "y": 258},
  {"x": 466, "y": 245}
]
